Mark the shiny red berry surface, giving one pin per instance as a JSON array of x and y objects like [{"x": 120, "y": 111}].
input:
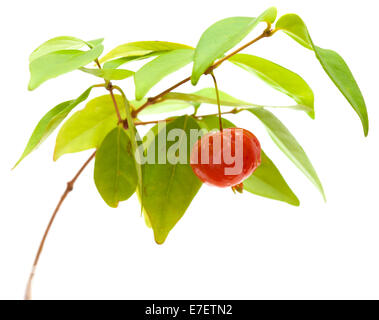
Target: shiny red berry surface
[{"x": 226, "y": 158}]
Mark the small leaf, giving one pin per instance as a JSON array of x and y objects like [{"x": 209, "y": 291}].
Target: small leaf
[
  {"x": 175, "y": 101},
  {"x": 208, "y": 95},
  {"x": 168, "y": 189},
  {"x": 56, "y": 44},
  {"x": 87, "y": 128},
  {"x": 288, "y": 144},
  {"x": 267, "y": 180},
  {"x": 115, "y": 170},
  {"x": 56, "y": 63},
  {"x": 278, "y": 77},
  {"x": 114, "y": 64},
  {"x": 141, "y": 48},
  {"x": 154, "y": 71},
  {"x": 223, "y": 36},
  {"x": 109, "y": 74},
  {"x": 333, "y": 64},
  {"x": 95, "y": 43},
  {"x": 161, "y": 107},
  {"x": 50, "y": 122}
]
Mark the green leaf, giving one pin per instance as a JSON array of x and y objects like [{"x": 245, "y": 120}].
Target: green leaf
[
  {"x": 333, "y": 64},
  {"x": 223, "y": 36},
  {"x": 161, "y": 107},
  {"x": 56, "y": 63},
  {"x": 208, "y": 95},
  {"x": 168, "y": 189},
  {"x": 141, "y": 48},
  {"x": 154, "y": 71},
  {"x": 109, "y": 74},
  {"x": 267, "y": 180},
  {"x": 95, "y": 43},
  {"x": 56, "y": 44},
  {"x": 175, "y": 101},
  {"x": 50, "y": 122},
  {"x": 115, "y": 170},
  {"x": 114, "y": 64},
  {"x": 288, "y": 144},
  {"x": 87, "y": 128},
  {"x": 279, "y": 78}
]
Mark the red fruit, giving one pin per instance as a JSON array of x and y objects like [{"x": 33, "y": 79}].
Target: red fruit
[{"x": 226, "y": 158}]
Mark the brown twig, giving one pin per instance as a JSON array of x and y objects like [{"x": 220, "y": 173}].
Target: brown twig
[
  {"x": 69, "y": 188},
  {"x": 266, "y": 33}
]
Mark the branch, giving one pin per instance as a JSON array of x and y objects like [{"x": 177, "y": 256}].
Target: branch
[
  {"x": 69, "y": 188},
  {"x": 266, "y": 33}
]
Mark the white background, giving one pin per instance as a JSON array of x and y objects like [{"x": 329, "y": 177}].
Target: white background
[{"x": 226, "y": 246}]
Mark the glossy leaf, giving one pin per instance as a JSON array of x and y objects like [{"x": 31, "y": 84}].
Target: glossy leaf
[
  {"x": 175, "y": 101},
  {"x": 208, "y": 95},
  {"x": 154, "y": 71},
  {"x": 115, "y": 170},
  {"x": 333, "y": 64},
  {"x": 95, "y": 43},
  {"x": 50, "y": 122},
  {"x": 289, "y": 145},
  {"x": 168, "y": 189},
  {"x": 267, "y": 180},
  {"x": 141, "y": 48},
  {"x": 223, "y": 36},
  {"x": 56, "y": 63},
  {"x": 161, "y": 107},
  {"x": 56, "y": 44},
  {"x": 278, "y": 77},
  {"x": 87, "y": 128},
  {"x": 109, "y": 74},
  {"x": 114, "y": 64}
]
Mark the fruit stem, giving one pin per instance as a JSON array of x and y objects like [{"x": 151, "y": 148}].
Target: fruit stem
[
  {"x": 69, "y": 188},
  {"x": 218, "y": 100}
]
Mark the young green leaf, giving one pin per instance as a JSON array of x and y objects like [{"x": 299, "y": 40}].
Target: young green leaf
[
  {"x": 333, "y": 64},
  {"x": 175, "y": 101},
  {"x": 56, "y": 44},
  {"x": 141, "y": 48},
  {"x": 50, "y": 122},
  {"x": 54, "y": 64},
  {"x": 154, "y": 71},
  {"x": 278, "y": 77},
  {"x": 267, "y": 180},
  {"x": 87, "y": 128},
  {"x": 114, "y": 64},
  {"x": 208, "y": 95},
  {"x": 289, "y": 145},
  {"x": 168, "y": 188},
  {"x": 161, "y": 107},
  {"x": 109, "y": 74},
  {"x": 223, "y": 36},
  {"x": 115, "y": 170}
]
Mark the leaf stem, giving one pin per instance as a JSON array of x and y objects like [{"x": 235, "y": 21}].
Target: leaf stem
[
  {"x": 69, "y": 188},
  {"x": 218, "y": 100},
  {"x": 266, "y": 33}
]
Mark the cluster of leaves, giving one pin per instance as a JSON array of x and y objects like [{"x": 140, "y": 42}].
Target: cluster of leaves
[{"x": 166, "y": 190}]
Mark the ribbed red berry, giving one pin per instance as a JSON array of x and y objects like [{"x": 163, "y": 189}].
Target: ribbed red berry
[{"x": 212, "y": 157}]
